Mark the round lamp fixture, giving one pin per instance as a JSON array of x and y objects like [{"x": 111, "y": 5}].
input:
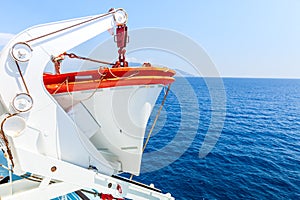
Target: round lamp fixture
[
  {"x": 13, "y": 126},
  {"x": 120, "y": 17},
  {"x": 21, "y": 51},
  {"x": 22, "y": 102}
]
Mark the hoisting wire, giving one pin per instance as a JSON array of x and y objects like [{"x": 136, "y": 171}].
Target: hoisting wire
[
  {"x": 72, "y": 55},
  {"x": 22, "y": 77},
  {"x": 2, "y": 134},
  {"x": 74, "y": 25},
  {"x": 58, "y": 59},
  {"x": 5, "y": 140},
  {"x": 154, "y": 122}
]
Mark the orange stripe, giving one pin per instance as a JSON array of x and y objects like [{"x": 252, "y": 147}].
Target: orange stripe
[
  {"x": 106, "y": 83},
  {"x": 108, "y": 73}
]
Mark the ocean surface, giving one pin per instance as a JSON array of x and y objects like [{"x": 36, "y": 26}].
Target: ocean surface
[
  {"x": 256, "y": 132},
  {"x": 257, "y": 155}
]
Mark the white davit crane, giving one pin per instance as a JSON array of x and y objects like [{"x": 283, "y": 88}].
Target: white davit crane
[{"x": 42, "y": 143}]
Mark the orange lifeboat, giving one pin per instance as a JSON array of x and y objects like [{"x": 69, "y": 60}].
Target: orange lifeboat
[{"x": 107, "y": 78}]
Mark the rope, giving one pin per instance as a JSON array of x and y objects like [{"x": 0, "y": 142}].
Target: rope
[
  {"x": 115, "y": 76},
  {"x": 60, "y": 85},
  {"x": 112, "y": 74},
  {"x": 73, "y": 99},
  {"x": 100, "y": 72},
  {"x": 154, "y": 122},
  {"x": 156, "y": 117},
  {"x": 121, "y": 77}
]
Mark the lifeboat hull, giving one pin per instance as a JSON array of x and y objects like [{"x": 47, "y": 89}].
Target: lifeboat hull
[{"x": 111, "y": 110}]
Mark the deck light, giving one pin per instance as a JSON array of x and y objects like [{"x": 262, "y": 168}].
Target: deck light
[{"x": 22, "y": 102}]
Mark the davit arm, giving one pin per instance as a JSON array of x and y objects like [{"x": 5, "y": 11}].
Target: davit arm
[
  {"x": 24, "y": 59},
  {"x": 34, "y": 151}
]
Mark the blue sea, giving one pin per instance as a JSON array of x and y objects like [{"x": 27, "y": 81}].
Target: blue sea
[
  {"x": 257, "y": 155},
  {"x": 255, "y": 140}
]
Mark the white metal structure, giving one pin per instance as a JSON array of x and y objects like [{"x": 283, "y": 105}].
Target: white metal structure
[{"x": 65, "y": 143}]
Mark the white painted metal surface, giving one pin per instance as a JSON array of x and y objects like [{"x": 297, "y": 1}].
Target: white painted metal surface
[
  {"x": 56, "y": 147},
  {"x": 114, "y": 120}
]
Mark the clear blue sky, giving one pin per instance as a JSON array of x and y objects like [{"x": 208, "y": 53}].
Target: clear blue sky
[{"x": 244, "y": 38}]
